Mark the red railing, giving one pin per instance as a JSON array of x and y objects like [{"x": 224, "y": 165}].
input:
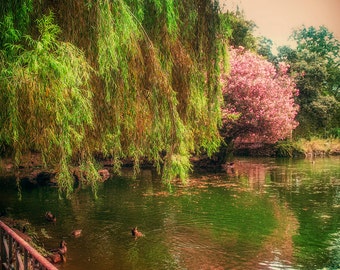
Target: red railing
[{"x": 16, "y": 253}]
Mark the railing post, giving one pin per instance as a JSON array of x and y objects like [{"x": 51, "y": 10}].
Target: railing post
[
  {"x": 5, "y": 251},
  {"x": 2, "y": 247},
  {"x": 8, "y": 257},
  {"x": 25, "y": 259},
  {"x": 10, "y": 250}
]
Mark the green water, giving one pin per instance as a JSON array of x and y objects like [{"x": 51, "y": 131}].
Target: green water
[{"x": 260, "y": 214}]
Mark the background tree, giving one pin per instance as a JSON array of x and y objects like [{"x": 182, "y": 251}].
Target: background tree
[
  {"x": 315, "y": 64},
  {"x": 323, "y": 43},
  {"x": 260, "y": 97},
  {"x": 241, "y": 30},
  {"x": 265, "y": 47}
]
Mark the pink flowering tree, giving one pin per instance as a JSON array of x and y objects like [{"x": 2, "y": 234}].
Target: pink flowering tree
[{"x": 259, "y": 100}]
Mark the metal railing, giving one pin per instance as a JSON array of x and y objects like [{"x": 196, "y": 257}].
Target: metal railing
[{"x": 16, "y": 253}]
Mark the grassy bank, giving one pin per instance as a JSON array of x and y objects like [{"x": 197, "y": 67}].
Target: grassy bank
[{"x": 312, "y": 147}]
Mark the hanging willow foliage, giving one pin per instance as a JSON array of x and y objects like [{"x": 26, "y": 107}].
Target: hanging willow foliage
[
  {"x": 46, "y": 100},
  {"x": 142, "y": 118},
  {"x": 154, "y": 94},
  {"x": 161, "y": 80}
]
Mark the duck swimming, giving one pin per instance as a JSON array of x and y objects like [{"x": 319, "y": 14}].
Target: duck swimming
[
  {"x": 76, "y": 233},
  {"x": 135, "y": 233},
  {"x": 50, "y": 217},
  {"x": 62, "y": 247},
  {"x": 59, "y": 254}
]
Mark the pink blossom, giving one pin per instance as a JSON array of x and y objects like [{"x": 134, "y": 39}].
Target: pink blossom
[{"x": 262, "y": 97}]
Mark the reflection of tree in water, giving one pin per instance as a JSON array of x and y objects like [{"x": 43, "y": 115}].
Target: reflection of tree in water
[
  {"x": 221, "y": 244},
  {"x": 278, "y": 249},
  {"x": 192, "y": 247},
  {"x": 310, "y": 187},
  {"x": 248, "y": 172}
]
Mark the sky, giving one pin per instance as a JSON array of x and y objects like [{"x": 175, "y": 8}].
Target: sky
[{"x": 276, "y": 19}]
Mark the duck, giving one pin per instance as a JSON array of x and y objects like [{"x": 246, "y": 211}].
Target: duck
[
  {"x": 135, "y": 233},
  {"x": 58, "y": 255},
  {"x": 62, "y": 247},
  {"x": 50, "y": 217},
  {"x": 76, "y": 233}
]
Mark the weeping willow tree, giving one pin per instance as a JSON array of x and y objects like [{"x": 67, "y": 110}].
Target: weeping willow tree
[
  {"x": 125, "y": 78},
  {"x": 47, "y": 101}
]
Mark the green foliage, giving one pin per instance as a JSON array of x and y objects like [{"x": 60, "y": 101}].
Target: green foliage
[
  {"x": 46, "y": 100},
  {"x": 241, "y": 30},
  {"x": 335, "y": 133},
  {"x": 315, "y": 64},
  {"x": 288, "y": 148},
  {"x": 140, "y": 118},
  {"x": 320, "y": 41},
  {"x": 157, "y": 96},
  {"x": 311, "y": 74},
  {"x": 264, "y": 48},
  {"x": 14, "y": 20},
  {"x": 323, "y": 109},
  {"x": 284, "y": 149},
  {"x": 286, "y": 54},
  {"x": 319, "y": 110},
  {"x": 314, "y": 146},
  {"x": 151, "y": 93},
  {"x": 9, "y": 33}
]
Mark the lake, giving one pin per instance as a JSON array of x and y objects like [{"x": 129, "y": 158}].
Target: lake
[{"x": 260, "y": 213}]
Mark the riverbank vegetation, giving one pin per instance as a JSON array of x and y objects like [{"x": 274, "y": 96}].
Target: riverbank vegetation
[
  {"x": 314, "y": 147},
  {"x": 142, "y": 81},
  {"x": 116, "y": 79}
]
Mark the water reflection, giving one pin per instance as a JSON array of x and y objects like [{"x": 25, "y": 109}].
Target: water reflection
[
  {"x": 259, "y": 214},
  {"x": 311, "y": 190}
]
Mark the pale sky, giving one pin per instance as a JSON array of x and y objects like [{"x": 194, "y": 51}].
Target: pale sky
[{"x": 276, "y": 19}]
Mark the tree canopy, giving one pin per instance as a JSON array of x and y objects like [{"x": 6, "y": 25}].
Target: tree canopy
[
  {"x": 240, "y": 30},
  {"x": 124, "y": 79},
  {"x": 315, "y": 63},
  {"x": 323, "y": 43},
  {"x": 260, "y": 97}
]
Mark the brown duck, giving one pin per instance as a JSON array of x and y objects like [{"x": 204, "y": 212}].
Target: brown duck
[
  {"x": 76, "y": 233},
  {"x": 135, "y": 233},
  {"x": 58, "y": 255},
  {"x": 50, "y": 217}
]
